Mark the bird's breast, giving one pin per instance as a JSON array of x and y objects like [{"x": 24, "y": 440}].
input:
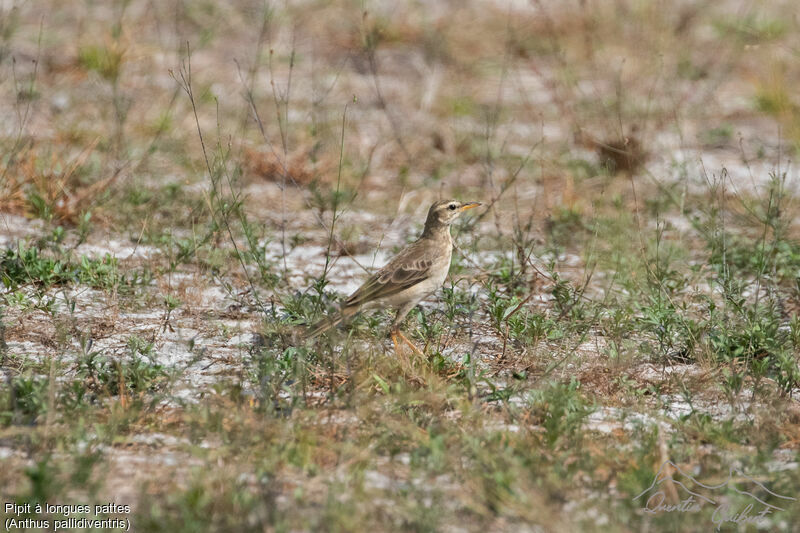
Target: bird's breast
[{"x": 441, "y": 267}]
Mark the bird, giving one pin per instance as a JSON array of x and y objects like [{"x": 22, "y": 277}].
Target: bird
[{"x": 412, "y": 275}]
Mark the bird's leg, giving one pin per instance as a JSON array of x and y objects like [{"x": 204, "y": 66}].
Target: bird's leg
[
  {"x": 398, "y": 319},
  {"x": 410, "y": 344},
  {"x": 397, "y": 333}
]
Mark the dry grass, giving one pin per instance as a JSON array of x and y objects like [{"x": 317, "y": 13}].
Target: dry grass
[{"x": 185, "y": 185}]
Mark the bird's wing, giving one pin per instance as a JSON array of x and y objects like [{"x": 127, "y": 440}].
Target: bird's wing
[{"x": 409, "y": 267}]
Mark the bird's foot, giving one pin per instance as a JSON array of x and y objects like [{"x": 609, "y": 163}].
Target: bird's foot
[{"x": 410, "y": 344}]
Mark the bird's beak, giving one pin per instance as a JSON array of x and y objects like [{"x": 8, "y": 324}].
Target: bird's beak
[{"x": 469, "y": 205}]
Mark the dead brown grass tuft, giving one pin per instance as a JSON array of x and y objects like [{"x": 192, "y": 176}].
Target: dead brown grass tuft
[
  {"x": 40, "y": 185},
  {"x": 298, "y": 167}
]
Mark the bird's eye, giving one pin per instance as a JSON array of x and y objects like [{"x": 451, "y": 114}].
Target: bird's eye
[{"x": 452, "y": 207}]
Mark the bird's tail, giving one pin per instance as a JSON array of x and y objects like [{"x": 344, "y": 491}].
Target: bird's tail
[{"x": 329, "y": 322}]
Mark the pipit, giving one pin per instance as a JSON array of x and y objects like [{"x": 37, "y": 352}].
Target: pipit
[{"x": 413, "y": 274}]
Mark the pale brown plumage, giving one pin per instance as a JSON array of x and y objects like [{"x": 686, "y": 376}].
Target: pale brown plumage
[{"x": 416, "y": 272}]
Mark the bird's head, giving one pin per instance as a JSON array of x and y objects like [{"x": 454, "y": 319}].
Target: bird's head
[{"x": 443, "y": 213}]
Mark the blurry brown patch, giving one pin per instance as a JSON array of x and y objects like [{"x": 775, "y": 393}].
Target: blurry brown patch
[
  {"x": 348, "y": 249},
  {"x": 297, "y": 168},
  {"x": 41, "y": 185},
  {"x": 617, "y": 155},
  {"x": 623, "y": 155},
  {"x": 441, "y": 142},
  {"x": 600, "y": 380}
]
